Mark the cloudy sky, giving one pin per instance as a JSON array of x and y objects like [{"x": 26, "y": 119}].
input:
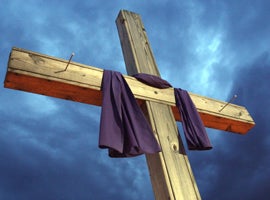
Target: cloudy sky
[{"x": 49, "y": 147}]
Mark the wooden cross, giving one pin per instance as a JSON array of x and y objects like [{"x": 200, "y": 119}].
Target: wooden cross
[{"x": 170, "y": 171}]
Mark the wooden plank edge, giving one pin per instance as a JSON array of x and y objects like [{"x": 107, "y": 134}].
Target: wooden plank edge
[
  {"x": 94, "y": 97},
  {"x": 52, "y": 88},
  {"x": 140, "y": 90}
]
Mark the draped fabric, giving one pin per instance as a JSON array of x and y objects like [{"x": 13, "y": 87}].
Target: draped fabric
[
  {"x": 124, "y": 129},
  {"x": 152, "y": 80},
  {"x": 194, "y": 130},
  {"x": 193, "y": 127}
]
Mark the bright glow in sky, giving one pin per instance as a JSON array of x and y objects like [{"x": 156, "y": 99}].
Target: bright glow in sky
[{"x": 214, "y": 48}]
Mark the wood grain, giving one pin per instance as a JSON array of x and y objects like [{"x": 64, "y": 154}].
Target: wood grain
[
  {"x": 33, "y": 72},
  {"x": 170, "y": 171}
]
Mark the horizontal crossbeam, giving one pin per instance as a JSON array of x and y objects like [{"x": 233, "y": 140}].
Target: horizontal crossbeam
[{"x": 37, "y": 73}]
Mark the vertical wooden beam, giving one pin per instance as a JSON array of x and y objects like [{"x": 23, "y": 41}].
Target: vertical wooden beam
[{"x": 170, "y": 171}]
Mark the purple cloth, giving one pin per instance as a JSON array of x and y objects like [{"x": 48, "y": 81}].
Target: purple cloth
[
  {"x": 152, "y": 80},
  {"x": 124, "y": 129},
  {"x": 194, "y": 130}
]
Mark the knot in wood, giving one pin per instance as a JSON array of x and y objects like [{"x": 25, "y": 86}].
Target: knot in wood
[{"x": 175, "y": 147}]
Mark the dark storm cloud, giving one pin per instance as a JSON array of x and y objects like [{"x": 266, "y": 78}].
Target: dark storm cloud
[
  {"x": 252, "y": 86},
  {"x": 238, "y": 166},
  {"x": 61, "y": 156},
  {"x": 49, "y": 147},
  {"x": 59, "y": 29}
]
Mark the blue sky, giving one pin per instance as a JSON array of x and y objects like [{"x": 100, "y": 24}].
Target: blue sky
[{"x": 49, "y": 147}]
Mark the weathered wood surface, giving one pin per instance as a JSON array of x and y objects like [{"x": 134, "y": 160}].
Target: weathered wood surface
[
  {"x": 34, "y": 72},
  {"x": 170, "y": 171}
]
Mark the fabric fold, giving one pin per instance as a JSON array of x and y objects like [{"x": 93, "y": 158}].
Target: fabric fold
[
  {"x": 194, "y": 130},
  {"x": 124, "y": 129}
]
